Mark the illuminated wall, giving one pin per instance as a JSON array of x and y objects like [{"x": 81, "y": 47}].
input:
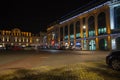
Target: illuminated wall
[
  {"x": 94, "y": 29},
  {"x": 15, "y": 37}
]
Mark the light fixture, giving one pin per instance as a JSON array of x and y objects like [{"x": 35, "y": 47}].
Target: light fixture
[{"x": 84, "y": 27}]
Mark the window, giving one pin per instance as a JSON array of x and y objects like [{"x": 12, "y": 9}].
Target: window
[
  {"x": 71, "y": 36},
  {"x": 66, "y": 37},
  {"x": 61, "y": 33},
  {"x": 84, "y": 20},
  {"x": 71, "y": 29},
  {"x": 101, "y": 23},
  {"x": 66, "y": 30},
  {"x": 78, "y": 35},
  {"x": 91, "y": 26},
  {"x": 77, "y": 29},
  {"x": 117, "y": 17}
]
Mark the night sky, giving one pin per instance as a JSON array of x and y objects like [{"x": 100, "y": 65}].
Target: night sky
[{"x": 35, "y": 15}]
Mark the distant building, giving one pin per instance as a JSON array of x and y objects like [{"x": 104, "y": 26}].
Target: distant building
[
  {"x": 40, "y": 39},
  {"x": 53, "y": 36},
  {"x": 94, "y": 27},
  {"x": 16, "y": 37}
]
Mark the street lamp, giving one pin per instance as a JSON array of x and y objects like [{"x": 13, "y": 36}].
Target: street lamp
[{"x": 84, "y": 27}]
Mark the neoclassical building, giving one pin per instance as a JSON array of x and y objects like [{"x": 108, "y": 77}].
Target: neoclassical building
[
  {"x": 96, "y": 27},
  {"x": 16, "y": 37}
]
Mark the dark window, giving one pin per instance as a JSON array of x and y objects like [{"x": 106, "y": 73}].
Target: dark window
[
  {"x": 71, "y": 29},
  {"x": 117, "y": 17},
  {"x": 61, "y": 33},
  {"x": 84, "y": 21},
  {"x": 91, "y": 26},
  {"x": 118, "y": 43},
  {"x": 66, "y": 30},
  {"x": 101, "y": 23},
  {"x": 78, "y": 27}
]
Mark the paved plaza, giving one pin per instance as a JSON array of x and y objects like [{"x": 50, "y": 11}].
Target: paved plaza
[
  {"x": 33, "y": 59},
  {"x": 55, "y": 65}
]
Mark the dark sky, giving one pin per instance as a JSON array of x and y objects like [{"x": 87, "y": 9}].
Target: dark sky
[{"x": 35, "y": 15}]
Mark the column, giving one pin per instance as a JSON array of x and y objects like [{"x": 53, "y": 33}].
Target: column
[
  {"x": 111, "y": 16},
  {"x": 96, "y": 32},
  {"x": 59, "y": 35},
  {"x": 108, "y": 21},
  {"x": 81, "y": 35},
  {"x": 109, "y": 43},
  {"x": 69, "y": 34},
  {"x": 86, "y": 24},
  {"x": 87, "y": 43},
  {"x": 108, "y": 28},
  {"x": 74, "y": 24},
  {"x": 63, "y": 35}
]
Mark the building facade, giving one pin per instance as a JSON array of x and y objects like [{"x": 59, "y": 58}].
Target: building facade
[
  {"x": 16, "y": 37},
  {"x": 53, "y": 36},
  {"x": 95, "y": 28},
  {"x": 43, "y": 40}
]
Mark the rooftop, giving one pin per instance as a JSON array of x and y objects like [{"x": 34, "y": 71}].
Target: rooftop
[{"x": 82, "y": 9}]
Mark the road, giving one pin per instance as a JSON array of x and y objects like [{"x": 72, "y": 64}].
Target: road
[{"x": 56, "y": 58}]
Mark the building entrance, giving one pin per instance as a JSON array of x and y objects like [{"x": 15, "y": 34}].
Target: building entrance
[
  {"x": 103, "y": 44},
  {"x": 92, "y": 45}
]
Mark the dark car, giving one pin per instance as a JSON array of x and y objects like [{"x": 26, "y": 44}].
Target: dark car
[
  {"x": 62, "y": 48},
  {"x": 113, "y": 60},
  {"x": 16, "y": 48}
]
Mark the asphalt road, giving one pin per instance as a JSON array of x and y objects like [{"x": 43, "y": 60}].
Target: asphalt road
[{"x": 33, "y": 59}]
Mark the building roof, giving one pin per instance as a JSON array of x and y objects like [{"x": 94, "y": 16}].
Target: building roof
[{"x": 82, "y": 9}]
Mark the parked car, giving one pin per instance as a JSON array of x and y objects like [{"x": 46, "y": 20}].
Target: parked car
[
  {"x": 2, "y": 48},
  {"x": 77, "y": 47},
  {"x": 113, "y": 60},
  {"x": 16, "y": 48},
  {"x": 29, "y": 48}
]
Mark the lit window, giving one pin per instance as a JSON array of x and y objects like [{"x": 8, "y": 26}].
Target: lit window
[
  {"x": 37, "y": 40},
  {"x": 101, "y": 30},
  {"x": 3, "y": 33},
  {"x": 19, "y": 39},
  {"x": 84, "y": 34},
  {"x": 71, "y": 36},
  {"x": 27, "y": 40},
  {"x": 78, "y": 35},
  {"x": 27, "y": 44},
  {"x": 3, "y": 44},
  {"x": 3, "y": 39},
  {"x": 19, "y": 43},
  {"x": 113, "y": 44},
  {"x": 12, "y": 44},
  {"x": 66, "y": 37},
  {"x": 91, "y": 33},
  {"x": 15, "y": 39},
  {"x": 7, "y": 39},
  {"x": 23, "y": 40}
]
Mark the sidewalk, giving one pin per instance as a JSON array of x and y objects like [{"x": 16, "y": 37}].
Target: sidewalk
[{"x": 79, "y": 51}]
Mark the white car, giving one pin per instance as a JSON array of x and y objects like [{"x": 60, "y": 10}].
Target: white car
[{"x": 76, "y": 47}]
